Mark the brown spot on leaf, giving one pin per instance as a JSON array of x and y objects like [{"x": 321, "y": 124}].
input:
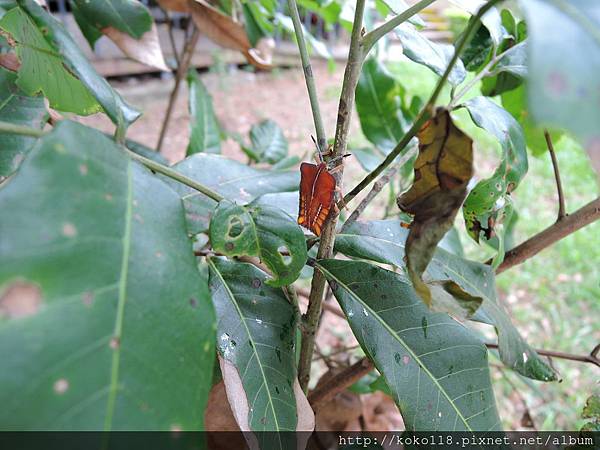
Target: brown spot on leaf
[
  {"x": 69, "y": 230},
  {"x": 114, "y": 343},
  {"x": 20, "y": 299},
  {"x": 83, "y": 169},
  {"x": 87, "y": 298},
  {"x": 61, "y": 386}
]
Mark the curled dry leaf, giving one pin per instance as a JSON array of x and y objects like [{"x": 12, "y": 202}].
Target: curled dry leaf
[
  {"x": 226, "y": 32},
  {"x": 145, "y": 50},
  {"x": 442, "y": 171}
]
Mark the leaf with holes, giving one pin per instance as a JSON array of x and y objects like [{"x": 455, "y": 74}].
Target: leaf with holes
[
  {"x": 65, "y": 51},
  {"x": 18, "y": 108},
  {"x": 233, "y": 180},
  {"x": 436, "y": 368},
  {"x": 563, "y": 82},
  {"x": 256, "y": 335},
  {"x": 263, "y": 231},
  {"x": 384, "y": 241},
  {"x": 121, "y": 335},
  {"x": 489, "y": 205},
  {"x": 205, "y": 132},
  {"x": 421, "y": 50},
  {"x": 268, "y": 142}
]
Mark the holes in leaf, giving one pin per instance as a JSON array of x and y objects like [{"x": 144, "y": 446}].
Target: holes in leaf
[
  {"x": 285, "y": 254},
  {"x": 235, "y": 227}
]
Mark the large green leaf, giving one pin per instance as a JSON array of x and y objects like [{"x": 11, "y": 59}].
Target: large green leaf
[
  {"x": 564, "y": 62},
  {"x": 436, "y": 368},
  {"x": 255, "y": 332},
  {"x": 123, "y": 334},
  {"x": 380, "y": 105},
  {"x": 268, "y": 142},
  {"x": 42, "y": 69},
  {"x": 488, "y": 205},
  {"x": 60, "y": 40},
  {"x": 128, "y": 16},
  {"x": 205, "y": 133},
  {"x": 263, "y": 231},
  {"x": 18, "y": 108},
  {"x": 508, "y": 73},
  {"x": 421, "y": 50},
  {"x": 383, "y": 241},
  {"x": 233, "y": 180}
]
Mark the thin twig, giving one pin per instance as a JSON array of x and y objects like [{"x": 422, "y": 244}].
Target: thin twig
[
  {"x": 426, "y": 111},
  {"x": 169, "y": 21},
  {"x": 561, "y": 197},
  {"x": 308, "y": 76},
  {"x": 186, "y": 59},
  {"x": 167, "y": 171},
  {"x": 554, "y": 233},
  {"x": 377, "y": 187},
  {"x": 591, "y": 358},
  {"x": 326, "y": 243},
  {"x": 372, "y": 37}
]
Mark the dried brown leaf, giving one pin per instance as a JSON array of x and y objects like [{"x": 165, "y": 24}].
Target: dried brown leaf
[
  {"x": 145, "y": 50},
  {"x": 175, "y": 5},
  {"x": 442, "y": 171}
]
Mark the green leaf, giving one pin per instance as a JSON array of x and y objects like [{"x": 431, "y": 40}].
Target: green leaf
[
  {"x": 491, "y": 19},
  {"x": 287, "y": 162},
  {"x": 122, "y": 335},
  {"x": 42, "y": 69},
  {"x": 18, "y": 108},
  {"x": 59, "y": 39},
  {"x": 145, "y": 151},
  {"x": 421, "y": 50},
  {"x": 205, "y": 133},
  {"x": 286, "y": 201},
  {"x": 255, "y": 332},
  {"x": 268, "y": 141},
  {"x": 90, "y": 32},
  {"x": 319, "y": 47},
  {"x": 508, "y": 73},
  {"x": 436, "y": 368},
  {"x": 515, "y": 102},
  {"x": 128, "y": 16},
  {"x": 478, "y": 50},
  {"x": 368, "y": 158},
  {"x": 233, "y": 180},
  {"x": 563, "y": 82},
  {"x": 383, "y": 116},
  {"x": 486, "y": 205},
  {"x": 383, "y": 241},
  {"x": 395, "y": 7},
  {"x": 263, "y": 231}
]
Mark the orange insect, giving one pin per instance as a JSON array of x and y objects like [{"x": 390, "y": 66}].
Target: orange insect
[{"x": 317, "y": 192}]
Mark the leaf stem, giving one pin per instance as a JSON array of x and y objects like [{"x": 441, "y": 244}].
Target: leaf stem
[
  {"x": 371, "y": 38},
  {"x": 425, "y": 113},
  {"x": 167, "y": 171},
  {"x": 561, "y": 198},
  {"x": 317, "y": 289},
  {"x": 308, "y": 76},
  {"x": 186, "y": 59},
  {"x": 11, "y": 128}
]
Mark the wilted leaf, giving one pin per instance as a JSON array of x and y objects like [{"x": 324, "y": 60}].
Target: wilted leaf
[
  {"x": 18, "y": 108},
  {"x": 436, "y": 368},
  {"x": 235, "y": 181},
  {"x": 10, "y": 62},
  {"x": 488, "y": 205},
  {"x": 443, "y": 168},
  {"x": 181, "y": 6},
  {"x": 42, "y": 70},
  {"x": 421, "y": 50},
  {"x": 226, "y": 32},
  {"x": 268, "y": 142},
  {"x": 105, "y": 241},
  {"x": 591, "y": 412},
  {"x": 263, "y": 231},
  {"x": 563, "y": 82},
  {"x": 256, "y": 334},
  {"x": 205, "y": 133},
  {"x": 61, "y": 42},
  {"x": 384, "y": 241},
  {"x": 146, "y": 49},
  {"x": 384, "y": 118}
]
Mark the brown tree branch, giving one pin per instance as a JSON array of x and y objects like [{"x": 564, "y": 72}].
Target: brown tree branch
[
  {"x": 554, "y": 233},
  {"x": 313, "y": 313},
  {"x": 186, "y": 59},
  {"x": 561, "y": 198}
]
